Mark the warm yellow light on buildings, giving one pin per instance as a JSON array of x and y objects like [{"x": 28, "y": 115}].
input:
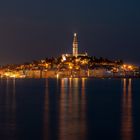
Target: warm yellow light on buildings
[
  {"x": 77, "y": 67},
  {"x": 57, "y": 76},
  {"x": 46, "y": 65},
  {"x": 130, "y": 67},
  {"x": 70, "y": 67},
  {"x": 124, "y": 66},
  {"x": 63, "y": 58}
]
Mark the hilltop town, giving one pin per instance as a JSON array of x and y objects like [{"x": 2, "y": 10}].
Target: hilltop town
[{"x": 71, "y": 65}]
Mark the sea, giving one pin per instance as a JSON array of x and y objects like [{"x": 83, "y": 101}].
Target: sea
[{"x": 70, "y": 109}]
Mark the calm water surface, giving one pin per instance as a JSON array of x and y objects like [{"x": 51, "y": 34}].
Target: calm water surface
[{"x": 70, "y": 109}]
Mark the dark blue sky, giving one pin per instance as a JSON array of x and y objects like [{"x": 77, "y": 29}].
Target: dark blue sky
[{"x": 35, "y": 29}]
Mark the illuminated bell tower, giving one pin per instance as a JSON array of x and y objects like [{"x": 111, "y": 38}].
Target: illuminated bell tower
[{"x": 75, "y": 45}]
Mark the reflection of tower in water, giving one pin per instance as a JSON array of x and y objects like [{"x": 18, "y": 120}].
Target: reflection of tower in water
[
  {"x": 127, "y": 122},
  {"x": 72, "y": 110}
]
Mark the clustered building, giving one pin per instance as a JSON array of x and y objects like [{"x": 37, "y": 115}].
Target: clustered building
[{"x": 71, "y": 65}]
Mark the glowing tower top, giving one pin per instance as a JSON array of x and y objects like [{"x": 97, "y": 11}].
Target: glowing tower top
[{"x": 75, "y": 45}]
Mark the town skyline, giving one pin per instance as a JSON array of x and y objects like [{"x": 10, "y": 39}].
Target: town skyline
[
  {"x": 74, "y": 51},
  {"x": 71, "y": 65},
  {"x": 32, "y": 29},
  {"x": 71, "y": 50}
]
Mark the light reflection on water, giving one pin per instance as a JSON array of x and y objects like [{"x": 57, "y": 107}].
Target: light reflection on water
[
  {"x": 65, "y": 109},
  {"x": 72, "y": 117},
  {"x": 46, "y": 122},
  {"x": 9, "y": 118},
  {"x": 127, "y": 121}
]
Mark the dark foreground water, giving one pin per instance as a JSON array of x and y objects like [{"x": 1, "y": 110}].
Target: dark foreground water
[{"x": 70, "y": 109}]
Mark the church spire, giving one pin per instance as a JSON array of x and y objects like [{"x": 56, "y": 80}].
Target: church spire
[{"x": 75, "y": 45}]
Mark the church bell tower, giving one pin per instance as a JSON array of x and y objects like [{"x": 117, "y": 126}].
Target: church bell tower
[{"x": 75, "y": 45}]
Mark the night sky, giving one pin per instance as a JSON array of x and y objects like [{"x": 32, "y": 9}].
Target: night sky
[{"x": 36, "y": 29}]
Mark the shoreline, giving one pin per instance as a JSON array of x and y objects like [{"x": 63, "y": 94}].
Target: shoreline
[{"x": 126, "y": 77}]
